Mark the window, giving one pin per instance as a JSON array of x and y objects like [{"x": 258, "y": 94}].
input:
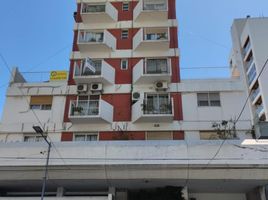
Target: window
[
  {"x": 157, "y": 66},
  {"x": 159, "y": 135},
  {"x": 209, "y": 99},
  {"x": 124, "y": 34},
  {"x": 41, "y": 102},
  {"x": 84, "y": 137},
  {"x": 124, "y": 64},
  {"x": 33, "y": 138},
  {"x": 157, "y": 104},
  {"x": 93, "y": 8},
  {"x": 215, "y": 135},
  {"x": 125, "y": 6}
]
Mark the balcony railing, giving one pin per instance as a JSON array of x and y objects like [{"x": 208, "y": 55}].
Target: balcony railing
[
  {"x": 255, "y": 93},
  {"x": 91, "y": 37},
  {"x": 87, "y": 8},
  {"x": 99, "y": 13},
  {"x": 155, "y": 5},
  {"x": 252, "y": 75},
  {"x": 156, "y": 39},
  {"x": 249, "y": 63},
  {"x": 84, "y": 108},
  {"x": 84, "y": 111},
  {"x": 151, "y": 10},
  {"x": 151, "y": 71},
  {"x": 246, "y": 48},
  {"x": 152, "y": 108},
  {"x": 102, "y": 73},
  {"x": 259, "y": 110},
  {"x": 95, "y": 41},
  {"x": 149, "y": 110}
]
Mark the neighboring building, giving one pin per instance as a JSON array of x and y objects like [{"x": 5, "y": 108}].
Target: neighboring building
[
  {"x": 248, "y": 58},
  {"x": 126, "y": 127}
]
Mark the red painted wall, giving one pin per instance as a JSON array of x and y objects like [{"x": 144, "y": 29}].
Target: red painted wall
[
  {"x": 171, "y": 9},
  {"x": 122, "y": 105},
  {"x": 178, "y": 135},
  {"x": 66, "y": 136},
  {"x": 71, "y": 73},
  {"x": 122, "y": 76},
  {"x": 173, "y": 34},
  {"x": 124, "y": 43},
  {"x": 78, "y": 18},
  {"x": 175, "y": 70},
  {"x": 125, "y": 15},
  {"x": 67, "y": 106},
  {"x": 178, "y": 115},
  {"x": 117, "y": 135},
  {"x": 75, "y": 46}
]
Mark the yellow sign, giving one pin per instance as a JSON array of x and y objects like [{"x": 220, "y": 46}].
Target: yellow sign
[{"x": 58, "y": 75}]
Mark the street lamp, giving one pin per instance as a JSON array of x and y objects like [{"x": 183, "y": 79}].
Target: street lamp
[{"x": 40, "y": 131}]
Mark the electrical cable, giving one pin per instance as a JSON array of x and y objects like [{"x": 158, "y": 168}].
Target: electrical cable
[
  {"x": 240, "y": 114},
  {"x": 34, "y": 113}
]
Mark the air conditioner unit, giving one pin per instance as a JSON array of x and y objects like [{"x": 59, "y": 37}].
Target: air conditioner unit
[
  {"x": 161, "y": 85},
  {"x": 135, "y": 96},
  {"x": 96, "y": 87},
  {"x": 81, "y": 88}
]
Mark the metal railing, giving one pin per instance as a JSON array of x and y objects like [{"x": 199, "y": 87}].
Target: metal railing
[
  {"x": 84, "y": 108},
  {"x": 252, "y": 75},
  {"x": 87, "y": 8},
  {"x": 156, "y": 36},
  {"x": 259, "y": 109},
  {"x": 91, "y": 37},
  {"x": 255, "y": 93},
  {"x": 152, "y": 108},
  {"x": 151, "y": 5},
  {"x": 246, "y": 48},
  {"x": 81, "y": 70}
]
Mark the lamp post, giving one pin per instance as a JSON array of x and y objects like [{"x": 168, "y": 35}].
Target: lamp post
[{"x": 39, "y": 130}]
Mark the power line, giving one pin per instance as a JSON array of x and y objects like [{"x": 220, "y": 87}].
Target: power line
[
  {"x": 49, "y": 57},
  {"x": 197, "y": 68},
  {"x": 240, "y": 114},
  {"x": 245, "y": 104},
  {"x": 34, "y": 113}
]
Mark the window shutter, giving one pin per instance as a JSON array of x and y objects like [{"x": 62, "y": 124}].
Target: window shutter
[{"x": 41, "y": 100}]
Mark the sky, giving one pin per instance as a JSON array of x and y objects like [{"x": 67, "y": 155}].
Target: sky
[{"x": 36, "y": 35}]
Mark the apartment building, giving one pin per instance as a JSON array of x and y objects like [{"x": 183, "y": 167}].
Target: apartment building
[
  {"x": 249, "y": 57},
  {"x": 124, "y": 125}
]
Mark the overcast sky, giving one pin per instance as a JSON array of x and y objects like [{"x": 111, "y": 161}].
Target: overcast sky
[{"x": 36, "y": 35}]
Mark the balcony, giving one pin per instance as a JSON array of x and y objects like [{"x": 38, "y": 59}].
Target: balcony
[
  {"x": 260, "y": 110},
  {"x": 98, "y": 13},
  {"x": 246, "y": 47},
  {"x": 151, "y": 10},
  {"x": 249, "y": 63},
  {"x": 252, "y": 75},
  {"x": 152, "y": 70},
  {"x": 96, "y": 41},
  {"x": 159, "y": 109},
  {"x": 255, "y": 94},
  {"x": 90, "y": 111},
  {"x": 151, "y": 39},
  {"x": 104, "y": 73}
]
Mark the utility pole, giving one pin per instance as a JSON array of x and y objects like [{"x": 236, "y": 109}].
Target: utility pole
[{"x": 39, "y": 130}]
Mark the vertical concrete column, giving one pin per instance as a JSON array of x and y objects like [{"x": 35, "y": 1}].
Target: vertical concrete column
[
  {"x": 262, "y": 193},
  {"x": 185, "y": 193},
  {"x": 111, "y": 191},
  {"x": 60, "y": 191}
]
